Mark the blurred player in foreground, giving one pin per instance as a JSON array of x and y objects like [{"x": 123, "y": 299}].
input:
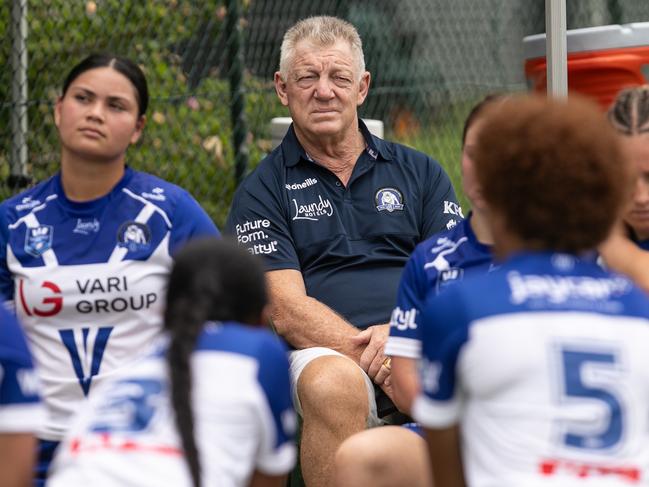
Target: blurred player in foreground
[
  {"x": 212, "y": 407},
  {"x": 537, "y": 374},
  {"x": 21, "y": 412},
  {"x": 444, "y": 259}
]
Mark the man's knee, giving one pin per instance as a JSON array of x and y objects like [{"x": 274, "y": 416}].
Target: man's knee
[{"x": 332, "y": 383}]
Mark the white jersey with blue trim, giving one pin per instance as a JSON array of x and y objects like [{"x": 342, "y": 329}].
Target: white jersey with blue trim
[
  {"x": 544, "y": 364},
  {"x": 20, "y": 408},
  {"x": 442, "y": 260},
  {"x": 243, "y": 416},
  {"x": 87, "y": 279}
]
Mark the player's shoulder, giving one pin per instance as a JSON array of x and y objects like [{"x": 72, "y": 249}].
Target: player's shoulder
[
  {"x": 155, "y": 189},
  {"x": 444, "y": 242},
  {"x": 555, "y": 282},
  {"x": 245, "y": 340},
  {"x": 22, "y": 203}
]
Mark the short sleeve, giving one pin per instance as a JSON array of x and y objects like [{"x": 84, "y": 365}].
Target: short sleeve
[
  {"x": 258, "y": 221},
  {"x": 190, "y": 221},
  {"x": 404, "y": 339},
  {"x": 277, "y": 454},
  {"x": 441, "y": 209},
  {"x": 444, "y": 331}
]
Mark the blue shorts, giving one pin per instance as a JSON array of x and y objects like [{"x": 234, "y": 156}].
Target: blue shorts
[{"x": 46, "y": 451}]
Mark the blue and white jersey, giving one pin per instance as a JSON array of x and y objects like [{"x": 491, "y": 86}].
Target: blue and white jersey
[
  {"x": 243, "y": 418},
  {"x": 87, "y": 279},
  {"x": 544, "y": 364},
  {"x": 20, "y": 408},
  {"x": 438, "y": 262}
]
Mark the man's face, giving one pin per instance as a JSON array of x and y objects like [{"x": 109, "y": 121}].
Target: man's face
[{"x": 323, "y": 89}]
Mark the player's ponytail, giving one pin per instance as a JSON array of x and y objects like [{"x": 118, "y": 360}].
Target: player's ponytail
[{"x": 212, "y": 280}]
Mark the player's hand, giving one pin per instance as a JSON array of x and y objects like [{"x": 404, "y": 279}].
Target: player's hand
[{"x": 373, "y": 361}]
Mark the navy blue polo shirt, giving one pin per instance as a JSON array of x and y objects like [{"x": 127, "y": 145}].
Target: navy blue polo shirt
[{"x": 350, "y": 243}]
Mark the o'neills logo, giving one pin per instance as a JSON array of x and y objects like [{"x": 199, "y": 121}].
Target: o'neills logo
[
  {"x": 312, "y": 211},
  {"x": 307, "y": 182}
]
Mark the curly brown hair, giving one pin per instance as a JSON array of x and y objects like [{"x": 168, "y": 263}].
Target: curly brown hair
[{"x": 554, "y": 170}]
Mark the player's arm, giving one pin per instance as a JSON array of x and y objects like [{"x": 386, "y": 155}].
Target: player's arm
[
  {"x": 17, "y": 456},
  {"x": 277, "y": 453},
  {"x": 21, "y": 413},
  {"x": 304, "y": 321},
  {"x": 439, "y": 406},
  {"x": 404, "y": 343},
  {"x": 624, "y": 256},
  {"x": 445, "y": 457},
  {"x": 405, "y": 382}
]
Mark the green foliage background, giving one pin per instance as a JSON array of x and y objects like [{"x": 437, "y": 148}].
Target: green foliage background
[
  {"x": 188, "y": 135},
  {"x": 430, "y": 61}
]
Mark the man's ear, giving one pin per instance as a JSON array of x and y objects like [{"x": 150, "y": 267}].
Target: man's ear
[
  {"x": 280, "y": 88},
  {"x": 363, "y": 88}
]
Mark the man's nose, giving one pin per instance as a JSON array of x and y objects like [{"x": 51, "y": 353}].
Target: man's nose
[{"x": 323, "y": 89}]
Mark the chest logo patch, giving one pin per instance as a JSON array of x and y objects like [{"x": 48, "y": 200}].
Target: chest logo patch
[
  {"x": 134, "y": 236},
  {"x": 38, "y": 240},
  {"x": 86, "y": 227},
  {"x": 388, "y": 199}
]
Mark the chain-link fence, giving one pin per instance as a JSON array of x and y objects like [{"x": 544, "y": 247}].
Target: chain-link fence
[{"x": 210, "y": 63}]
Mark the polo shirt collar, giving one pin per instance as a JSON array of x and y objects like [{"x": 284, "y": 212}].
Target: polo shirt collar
[{"x": 293, "y": 151}]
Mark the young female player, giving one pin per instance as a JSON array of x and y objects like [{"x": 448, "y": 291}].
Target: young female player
[
  {"x": 537, "y": 373},
  {"x": 445, "y": 259},
  {"x": 85, "y": 254},
  {"x": 212, "y": 406}
]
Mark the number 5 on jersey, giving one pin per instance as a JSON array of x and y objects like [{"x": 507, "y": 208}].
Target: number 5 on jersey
[{"x": 589, "y": 378}]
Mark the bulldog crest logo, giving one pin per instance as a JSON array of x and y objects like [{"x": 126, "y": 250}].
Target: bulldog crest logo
[{"x": 388, "y": 199}]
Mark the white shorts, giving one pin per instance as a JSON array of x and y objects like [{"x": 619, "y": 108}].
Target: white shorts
[{"x": 301, "y": 358}]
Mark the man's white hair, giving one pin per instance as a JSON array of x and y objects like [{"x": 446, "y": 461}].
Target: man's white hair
[{"x": 322, "y": 31}]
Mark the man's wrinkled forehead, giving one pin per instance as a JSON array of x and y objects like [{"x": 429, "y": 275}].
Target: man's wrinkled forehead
[{"x": 309, "y": 53}]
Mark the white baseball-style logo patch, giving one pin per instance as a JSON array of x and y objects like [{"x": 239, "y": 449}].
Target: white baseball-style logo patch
[{"x": 389, "y": 199}]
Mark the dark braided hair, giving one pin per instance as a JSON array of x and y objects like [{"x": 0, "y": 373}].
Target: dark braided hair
[
  {"x": 629, "y": 113},
  {"x": 212, "y": 280}
]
